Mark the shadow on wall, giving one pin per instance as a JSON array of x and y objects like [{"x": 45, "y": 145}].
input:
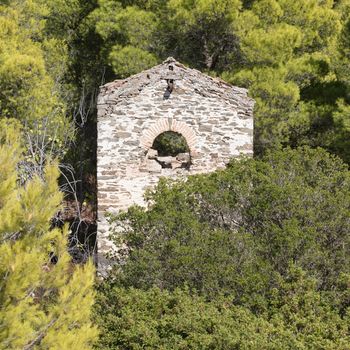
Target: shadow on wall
[{"x": 170, "y": 86}]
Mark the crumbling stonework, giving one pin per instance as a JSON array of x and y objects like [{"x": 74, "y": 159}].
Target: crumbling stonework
[{"x": 215, "y": 118}]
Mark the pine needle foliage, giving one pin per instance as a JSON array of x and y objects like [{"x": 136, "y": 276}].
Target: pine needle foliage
[{"x": 45, "y": 301}]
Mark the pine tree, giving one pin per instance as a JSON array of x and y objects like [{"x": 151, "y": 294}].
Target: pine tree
[
  {"x": 284, "y": 51},
  {"x": 32, "y": 67},
  {"x": 45, "y": 301}
]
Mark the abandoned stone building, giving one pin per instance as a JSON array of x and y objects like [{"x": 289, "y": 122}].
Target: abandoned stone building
[{"x": 213, "y": 119}]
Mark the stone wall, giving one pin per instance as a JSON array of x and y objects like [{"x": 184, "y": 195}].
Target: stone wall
[{"x": 215, "y": 118}]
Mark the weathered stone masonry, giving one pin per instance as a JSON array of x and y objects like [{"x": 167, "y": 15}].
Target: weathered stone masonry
[{"x": 215, "y": 118}]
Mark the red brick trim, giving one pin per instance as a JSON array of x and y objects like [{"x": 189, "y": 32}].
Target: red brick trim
[{"x": 164, "y": 125}]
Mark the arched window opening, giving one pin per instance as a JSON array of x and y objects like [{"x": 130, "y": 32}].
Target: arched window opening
[{"x": 170, "y": 150}]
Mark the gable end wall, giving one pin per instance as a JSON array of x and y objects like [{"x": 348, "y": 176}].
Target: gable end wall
[{"x": 216, "y": 129}]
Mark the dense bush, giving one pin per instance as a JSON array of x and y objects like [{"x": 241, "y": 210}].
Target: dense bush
[
  {"x": 236, "y": 230},
  {"x": 298, "y": 318},
  {"x": 263, "y": 242}
]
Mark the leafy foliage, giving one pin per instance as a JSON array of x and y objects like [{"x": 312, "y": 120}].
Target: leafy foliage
[
  {"x": 252, "y": 257},
  {"x": 233, "y": 230},
  {"x": 170, "y": 143},
  {"x": 298, "y": 318},
  {"x": 158, "y": 319}
]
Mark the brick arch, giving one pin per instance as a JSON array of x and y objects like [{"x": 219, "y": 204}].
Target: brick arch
[{"x": 165, "y": 125}]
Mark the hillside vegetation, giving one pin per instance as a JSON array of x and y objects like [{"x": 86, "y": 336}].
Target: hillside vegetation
[{"x": 255, "y": 256}]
